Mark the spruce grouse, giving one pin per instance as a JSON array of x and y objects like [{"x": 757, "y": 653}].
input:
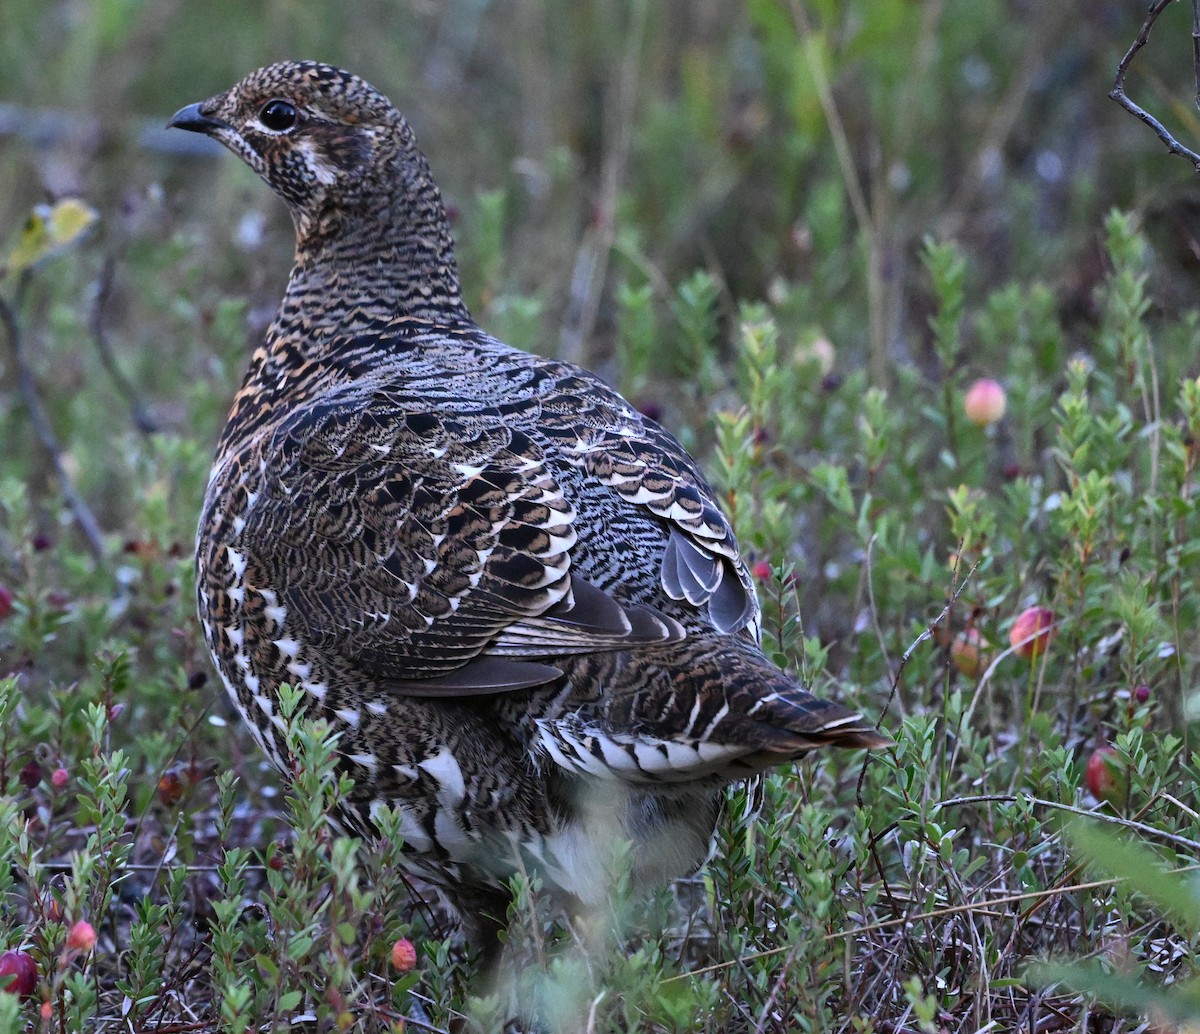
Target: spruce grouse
[{"x": 514, "y": 596}]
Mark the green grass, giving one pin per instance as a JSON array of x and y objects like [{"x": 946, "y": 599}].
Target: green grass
[{"x": 808, "y": 317}]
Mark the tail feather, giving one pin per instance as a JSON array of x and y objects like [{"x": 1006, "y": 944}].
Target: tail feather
[
  {"x": 699, "y": 707},
  {"x": 770, "y": 712},
  {"x": 789, "y": 721}
]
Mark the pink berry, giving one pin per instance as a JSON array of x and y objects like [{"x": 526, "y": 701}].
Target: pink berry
[
  {"x": 404, "y": 955},
  {"x": 18, "y": 973},
  {"x": 60, "y": 777},
  {"x": 82, "y": 936},
  {"x": 818, "y": 354},
  {"x": 1032, "y": 632},
  {"x": 985, "y": 402}
]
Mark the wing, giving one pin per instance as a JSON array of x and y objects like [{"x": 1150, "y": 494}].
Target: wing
[
  {"x": 432, "y": 551},
  {"x": 595, "y": 429}
]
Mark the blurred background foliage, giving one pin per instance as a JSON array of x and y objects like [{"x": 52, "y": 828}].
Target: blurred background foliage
[
  {"x": 595, "y": 154},
  {"x": 796, "y": 151}
]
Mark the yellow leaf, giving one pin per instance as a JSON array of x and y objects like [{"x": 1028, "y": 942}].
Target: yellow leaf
[{"x": 49, "y": 230}]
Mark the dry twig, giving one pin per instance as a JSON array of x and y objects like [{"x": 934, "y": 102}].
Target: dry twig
[{"x": 1118, "y": 94}]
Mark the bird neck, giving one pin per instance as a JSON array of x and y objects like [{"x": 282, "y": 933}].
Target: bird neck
[{"x": 387, "y": 253}]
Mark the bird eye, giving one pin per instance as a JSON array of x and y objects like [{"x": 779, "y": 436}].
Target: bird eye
[{"x": 277, "y": 115}]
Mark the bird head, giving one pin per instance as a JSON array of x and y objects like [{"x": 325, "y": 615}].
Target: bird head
[{"x": 320, "y": 137}]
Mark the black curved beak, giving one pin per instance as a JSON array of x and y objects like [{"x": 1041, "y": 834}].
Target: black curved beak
[{"x": 194, "y": 120}]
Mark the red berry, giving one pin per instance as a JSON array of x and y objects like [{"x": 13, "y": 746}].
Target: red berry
[
  {"x": 60, "y": 777},
  {"x": 1105, "y": 776},
  {"x": 1141, "y": 694},
  {"x": 404, "y": 955},
  {"x": 30, "y": 775},
  {"x": 761, "y": 571},
  {"x": 18, "y": 973},
  {"x": 1032, "y": 632},
  {"x": 6, "y": 602},
  {"x": 82, "y": 936}
]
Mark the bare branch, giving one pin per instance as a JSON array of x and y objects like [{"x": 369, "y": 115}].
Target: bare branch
[
  {"x": 1118, "y": 94},
  {"x": 1196, "y": 47}
]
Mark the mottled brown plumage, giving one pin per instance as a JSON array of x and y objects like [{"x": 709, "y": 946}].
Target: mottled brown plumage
[{"x": 515, "y": 597}]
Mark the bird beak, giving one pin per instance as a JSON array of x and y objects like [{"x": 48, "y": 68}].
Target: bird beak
[{"x": 194, "y": 120}]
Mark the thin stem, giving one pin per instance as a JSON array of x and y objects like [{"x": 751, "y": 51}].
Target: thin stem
[
  {"x": 142, "y": 418},
  {"x": 595, "y": 251},
  {"x": 1196, "y": 47},
  {"x": 869, "y": 226},
  {"x": 42, "y": 427}
]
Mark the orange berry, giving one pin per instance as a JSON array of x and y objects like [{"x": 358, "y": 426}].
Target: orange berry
[
  {"x": 966, "y": 651},
  {"x": 170, "y": 788},
  {"x": 404, "y": 955}
]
